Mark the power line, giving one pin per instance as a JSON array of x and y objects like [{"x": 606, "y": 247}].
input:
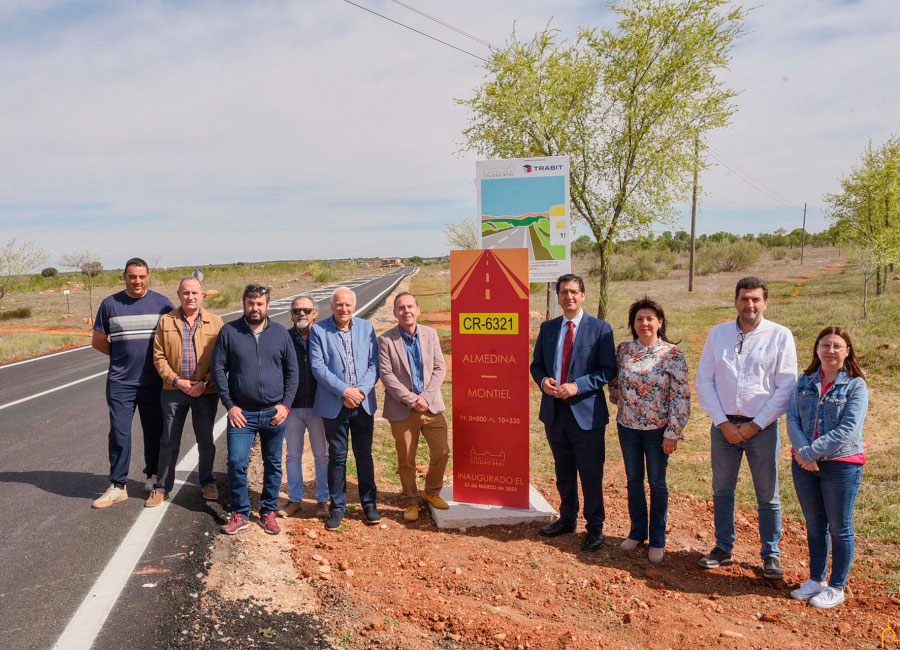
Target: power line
[
  {"x": 445, "y": 24},
  {"x": 413, "y": 29},
  {"x": 749, "y": 179}
]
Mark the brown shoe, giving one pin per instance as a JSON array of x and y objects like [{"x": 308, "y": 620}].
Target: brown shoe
[
  {"x": 435, "y": 501},
  {"x": 292, "y": 509},
  {"x": 210, "y": 492},
  {"x": 322, "y": 509},
  {"x": 411, "y": 513},
  {"x": 156, "y": 498}
]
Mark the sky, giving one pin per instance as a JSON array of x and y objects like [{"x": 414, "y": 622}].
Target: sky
[{"x": 191, "y": 133}]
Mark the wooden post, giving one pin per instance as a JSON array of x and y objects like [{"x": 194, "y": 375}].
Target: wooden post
[
  {"x": 694, "y": 214},
  {"x": 803, "y": 235},
  {"x": 547, "y": 312}
]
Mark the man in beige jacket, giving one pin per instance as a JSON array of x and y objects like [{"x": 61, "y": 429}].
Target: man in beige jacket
[
  {"x": 182, "y": 353},
  {"x": 412, "y": 369}
]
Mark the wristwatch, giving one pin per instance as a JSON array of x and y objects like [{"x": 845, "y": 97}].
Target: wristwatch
[{"x": 206, "y": 382}]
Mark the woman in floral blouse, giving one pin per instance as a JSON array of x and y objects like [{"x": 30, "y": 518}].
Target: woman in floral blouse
[{"x": 654, "y": 402}]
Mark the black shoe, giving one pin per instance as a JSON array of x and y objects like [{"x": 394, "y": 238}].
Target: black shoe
[
  {"x": 558, "y": 527},
  {"x": 371, "y": 515},
  {"x": 334, "y": 520},
  {"x": 592, "y": 541},
  {"x": 772, "y": 568},
  {"x": 716, "y": 558}
]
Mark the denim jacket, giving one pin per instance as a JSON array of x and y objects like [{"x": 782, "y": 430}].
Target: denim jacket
[{"x": 840, "y": 416}]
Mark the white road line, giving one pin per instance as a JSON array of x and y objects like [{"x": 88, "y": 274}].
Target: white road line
[
  {"x": 52, "y": 390},
  {"x": 90, "y": 616},
  {"x": 44, "y": 356}
]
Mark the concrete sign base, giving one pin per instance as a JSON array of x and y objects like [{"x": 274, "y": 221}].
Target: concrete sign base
[{"x": 470, "y": 515}]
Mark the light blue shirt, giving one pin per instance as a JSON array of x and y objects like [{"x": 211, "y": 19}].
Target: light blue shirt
[
  {"x": 414, "y": 355},
  {"x": 557, "y": 362}
]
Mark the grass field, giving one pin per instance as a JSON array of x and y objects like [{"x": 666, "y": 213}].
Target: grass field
[{"x": 805, "y": 299}]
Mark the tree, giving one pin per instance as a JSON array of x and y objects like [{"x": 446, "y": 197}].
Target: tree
[
  {"x": 625, "y": 105},
  {"x": 15, "y": 261},
  {"x": 88, "y": 263},
  {"x": 462, "y": 234},
  {"x": 865, "y": 214}
]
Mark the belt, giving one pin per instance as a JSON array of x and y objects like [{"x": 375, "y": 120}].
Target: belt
[{"x": 739, "y": 418}]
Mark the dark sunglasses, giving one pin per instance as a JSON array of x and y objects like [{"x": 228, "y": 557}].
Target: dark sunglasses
[
  {"x": 302, "y": 310},
  {"x": 254, "y": 290}
]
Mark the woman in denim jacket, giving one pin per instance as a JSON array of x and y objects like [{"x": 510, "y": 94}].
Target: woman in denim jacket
[{"x": 824, "y": 421}]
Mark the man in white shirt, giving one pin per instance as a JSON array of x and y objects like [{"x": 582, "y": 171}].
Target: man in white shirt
[{"x": 747, "y": 372}]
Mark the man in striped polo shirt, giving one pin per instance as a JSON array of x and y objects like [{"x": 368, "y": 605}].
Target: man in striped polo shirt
[{"x": 124, "y": 330}]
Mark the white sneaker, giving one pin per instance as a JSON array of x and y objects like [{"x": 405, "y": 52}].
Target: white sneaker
[
  {"x": 808, "y": 589},
  {"x": 151, "y": 483},
  {"x": 112, "y": 495},
  {"x": 655, "y": 554},
  {"x": 827, "y": 598},
  {"x": 629, "y": 544}
]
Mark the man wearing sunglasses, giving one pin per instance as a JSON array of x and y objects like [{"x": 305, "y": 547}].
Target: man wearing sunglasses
[
  {"x": 255, "y": 372},
  {"x": 301, "y": 418},
  {"x": 747, "y": 371}
]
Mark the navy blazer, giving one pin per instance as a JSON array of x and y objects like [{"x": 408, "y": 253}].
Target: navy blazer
[
  {"x": 592, "y": 365},
  {"x": 326, "y": 358}
]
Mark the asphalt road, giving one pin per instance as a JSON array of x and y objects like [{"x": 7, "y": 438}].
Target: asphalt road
[
  {"x": 517, "y": 237},
  {"x": 53, "y": 463}
]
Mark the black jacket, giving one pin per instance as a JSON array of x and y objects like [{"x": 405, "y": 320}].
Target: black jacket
[
  {"x": 260, "y": 374},
  {"x": 306, "y": 386}
]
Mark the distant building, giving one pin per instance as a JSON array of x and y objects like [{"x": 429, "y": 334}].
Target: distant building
[{"x": 391, "y": 262}]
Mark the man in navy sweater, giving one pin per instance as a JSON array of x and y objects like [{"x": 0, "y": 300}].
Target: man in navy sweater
[{"x": 255, "y": 370}]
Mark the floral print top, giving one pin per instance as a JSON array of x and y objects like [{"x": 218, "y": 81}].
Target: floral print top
[{"x": 652, "y": 390}]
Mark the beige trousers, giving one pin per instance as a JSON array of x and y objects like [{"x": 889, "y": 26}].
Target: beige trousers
[{"x": 433, "y": 427}]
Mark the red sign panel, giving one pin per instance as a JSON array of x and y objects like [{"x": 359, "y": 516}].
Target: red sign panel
[{"x": 489, "y": 306}]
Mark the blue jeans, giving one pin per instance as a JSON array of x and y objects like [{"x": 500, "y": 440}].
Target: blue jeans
[
  {"x": 122, "y": 401},
  {"x": 828, "y": 498},
  {"x": 357, "y": 426},
  {"x": 762, "y": 456},
  {"x": 638, "y": 445},
  {"x": 299, "y": 421},
  {"x": 240, "y": 440}
]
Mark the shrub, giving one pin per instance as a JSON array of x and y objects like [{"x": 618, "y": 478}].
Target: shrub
[
  {"x": 21, "y": 312},
  {"x": 49, "y": 272},
  {"x": 228, "y": 294},
  {"x": 321, "y": 276},
  {"x": 726, "y": 256},
  {"x": 779, "y": 253},
  {"x": 641, "y": 265}
]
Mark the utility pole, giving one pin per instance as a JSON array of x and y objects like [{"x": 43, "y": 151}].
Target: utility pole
[
  {"x": 694, "y": 213},
  {"x": 803, "y": 235}
]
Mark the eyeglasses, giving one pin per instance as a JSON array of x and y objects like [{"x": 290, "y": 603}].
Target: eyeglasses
[
  {"x": 740, "y": 344},
  {"x": 834, "y": 347},
  {"x": 302, "y": 310}
]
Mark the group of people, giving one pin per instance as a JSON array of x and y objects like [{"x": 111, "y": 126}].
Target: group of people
[
  {"x": 746, "y": 380},
  {"x": 275, "y": 383},
  {"x": 319, "y": 377}
]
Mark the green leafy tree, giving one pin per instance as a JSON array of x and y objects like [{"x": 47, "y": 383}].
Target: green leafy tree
[
  {"x": 15, "y": 261},
  {"x": 462, "y": 234},
  {"x": 865, "y": 214},
  {"x": 626, "y": 105}
]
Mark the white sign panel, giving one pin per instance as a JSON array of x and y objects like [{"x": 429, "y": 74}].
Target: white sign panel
[{"x": 524, "y": 203}]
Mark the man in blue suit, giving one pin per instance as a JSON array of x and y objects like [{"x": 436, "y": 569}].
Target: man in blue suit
[
  {"x": 343, "y": 356},
  {"x": 574, "y": 357}
]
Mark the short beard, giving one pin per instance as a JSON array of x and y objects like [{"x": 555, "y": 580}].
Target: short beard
[
  {"x": 302, "y": 325},
  {"x": 257, "y": 321}
]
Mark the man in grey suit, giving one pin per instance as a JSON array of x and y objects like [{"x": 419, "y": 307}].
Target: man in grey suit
[
  {"x": 343, "y": 355},
  {"x": 412, "y": 369}
]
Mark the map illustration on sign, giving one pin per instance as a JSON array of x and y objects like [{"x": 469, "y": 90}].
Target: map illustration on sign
[{"x": 523, "y": 203}]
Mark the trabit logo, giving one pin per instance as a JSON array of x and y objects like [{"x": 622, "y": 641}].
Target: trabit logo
[{"x": 528, "y": 168}]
